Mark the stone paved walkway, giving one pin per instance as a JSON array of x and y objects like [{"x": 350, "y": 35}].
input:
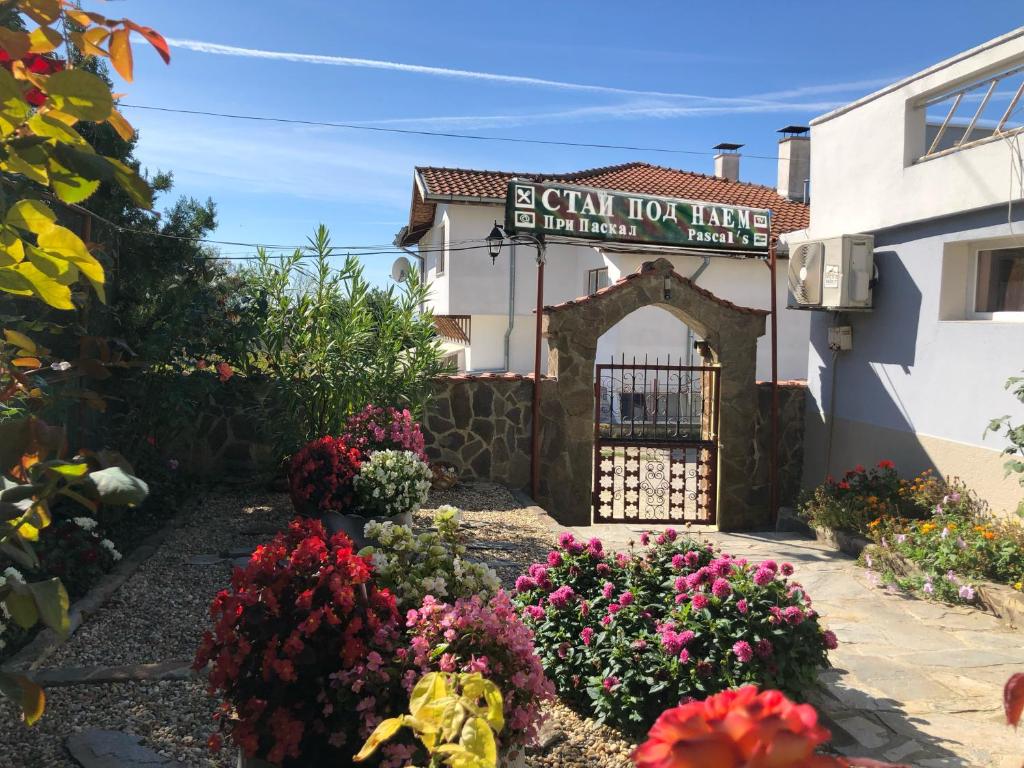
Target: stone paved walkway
[{"x": 913, "y": 681}]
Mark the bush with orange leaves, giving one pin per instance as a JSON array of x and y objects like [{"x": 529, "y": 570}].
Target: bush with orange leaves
[{"x": 741, "y": 728}]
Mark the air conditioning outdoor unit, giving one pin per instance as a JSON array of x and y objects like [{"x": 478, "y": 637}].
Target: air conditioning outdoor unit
[{"x": 832, "y": 274}]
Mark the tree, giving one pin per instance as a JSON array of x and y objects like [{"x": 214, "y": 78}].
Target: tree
[{"x": 43, "y": 158}]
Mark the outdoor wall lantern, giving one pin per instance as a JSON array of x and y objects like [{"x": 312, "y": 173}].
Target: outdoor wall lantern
[{"x": 494, "y": 242}]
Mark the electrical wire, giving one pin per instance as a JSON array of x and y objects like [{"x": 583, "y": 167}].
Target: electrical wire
[{"x": 436, "y": 134}]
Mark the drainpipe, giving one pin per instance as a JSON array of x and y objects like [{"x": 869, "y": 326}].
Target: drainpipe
[
  {"x": 689, "y": 331},
  {"x": 511, "y": 306}
]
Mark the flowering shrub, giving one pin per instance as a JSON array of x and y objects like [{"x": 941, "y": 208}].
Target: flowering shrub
[
  {"x": 391, "y": 483},
  {"x": 375, "y": 428},
  {"x": 301, "y": 650},
  {"x": 72, "y": 550},
  {"x": 738, "y": 729},
  {"x": 630, "y": 634},
  {"x": 474, "y": 635},
  {"x": 320, "y": 476},
  {"x": 955, "y": 548},
  {"x": 432, "y": 563},
  {"x": 860, "y": 496}
]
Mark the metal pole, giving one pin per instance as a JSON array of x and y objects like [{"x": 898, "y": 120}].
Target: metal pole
[
  {"x": 774, "y": 470},
  {"x": 535, "y": 428}
]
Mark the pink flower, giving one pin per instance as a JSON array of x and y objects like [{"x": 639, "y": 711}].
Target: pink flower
[
  {"x": 678, "y": 561},
  {"x": 793, "y": 615},
  {"x": 764, "y": 648},
  {"x": 743, "y": 651},
  {"x": 670, "y": 534},
  {"x": 610, "y": 683},
  {"x": 829, "y": 640},
  {"x": 560, "y": 597},
  {"x": 763, "y": 576},
  {"x": 721, "y": 588},
  {"x": 684, "y": 656},
  {"x": 554, "y": 558},
  {"x": 608, "y": 590},
  {"x": 626, "y": 598},
  {"x": 606, "y": 620},
  {"x": 741, "y": 605},
  {"x": 524, "y": 584},
  {"x": 645, "y": 538},
  {"x": 691, "y": 558},
  {"x": 534, "y": 612},
  {"x": 587, "y": 635},
  {"x": 447, "y": 662},
  {"x": 787, "y": 569},
  {"x": 699, "y": 601}
]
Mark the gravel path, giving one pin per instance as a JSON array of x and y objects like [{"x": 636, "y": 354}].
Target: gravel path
[{"x": 160, "y": 612}]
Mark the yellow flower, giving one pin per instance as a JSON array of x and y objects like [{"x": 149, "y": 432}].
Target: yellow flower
[
  {"x": 1018, "y": 586},
  {"x": 874, "y": 523}
]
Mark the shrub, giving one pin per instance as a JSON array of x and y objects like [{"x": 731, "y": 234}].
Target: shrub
[
  {"x": 391, "y": 483},
  {"x": 302, "y": 641},
  {"x": 627, "y": 635},
  {"x": 431, "y": 563},
  {"x": 475, "y": 635},
  {"x": 375, "y": 428},
  {"x": 957, "y": 546},
  {"x": 73, "y": 551},
  {"x": 863, "y": 495},
  {"x": 320, "y": 476}
]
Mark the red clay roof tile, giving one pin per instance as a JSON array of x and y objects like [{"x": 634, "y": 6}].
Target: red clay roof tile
[{"x": 642, "y": 178}]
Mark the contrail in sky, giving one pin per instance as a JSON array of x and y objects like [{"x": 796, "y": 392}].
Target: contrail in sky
[{"x": 466, "y": 74}]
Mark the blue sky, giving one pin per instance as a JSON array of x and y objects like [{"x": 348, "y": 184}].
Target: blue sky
[{"x": 676, "y": 75}]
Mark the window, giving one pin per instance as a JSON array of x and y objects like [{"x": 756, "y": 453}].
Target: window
[
  {"x": 442, "y": 252},
  {"x": 984, "y": 109},
  {"x": 999, "y": 284},
  {"x": 596, "y": 280}
]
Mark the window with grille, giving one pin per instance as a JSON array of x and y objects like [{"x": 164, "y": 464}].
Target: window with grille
[
  {"x": 596, "y": 280},
  {"x": 982, "y": 110}
]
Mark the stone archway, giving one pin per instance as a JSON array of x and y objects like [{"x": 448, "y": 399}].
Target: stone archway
[{"x": 567, "y": 413}]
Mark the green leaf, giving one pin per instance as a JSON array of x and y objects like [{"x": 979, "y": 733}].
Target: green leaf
[
  {"x": 68, "y": 245},
  {"x": 80, "y": 94},
  {"x": 22, "y": 607},
  {"x": 50, "y": 289},
  {"x": 116, "y": 487},
  {"x": 12, "y": 282},
  {"x": 428, "y": 689},
  {"x": 31, "y": 215},
  {"x": 70, "y": 186},
  {"x": 52, "y": 601},
  {"x": 30, "y": 162},
  {"x": 138, "y": 190},
  {"x": 67, "y": 468},
  {"x": 14, "y": 110}
]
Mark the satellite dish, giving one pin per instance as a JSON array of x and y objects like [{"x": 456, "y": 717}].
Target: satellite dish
[{"x": 400, "y": 269}]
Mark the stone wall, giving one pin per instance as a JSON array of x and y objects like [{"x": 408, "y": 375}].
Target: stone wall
[
  {"x": 481, "y": 425},
  {"x": 792, "y": 396}
]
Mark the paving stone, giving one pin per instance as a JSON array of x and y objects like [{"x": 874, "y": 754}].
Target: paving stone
[
  {"x": 240, "y": 551},
  {"x": 97, "y": 748},
  {"x": 865, "y": 732},
  {"x": 241, "y": 562},
  {"x": 903, "y": 751}
]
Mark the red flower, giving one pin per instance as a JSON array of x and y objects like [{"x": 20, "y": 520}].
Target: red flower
[
  {"x": 843, "y": 485},
  {"x": 736, "y": 729},
  {"x": 300, "y": 617},
  {"x": 37, "y": 64},
  {"x": 320, "y": 475},
  {"x": 224, "y": 371},
  {"x": 886, "y": 464}
]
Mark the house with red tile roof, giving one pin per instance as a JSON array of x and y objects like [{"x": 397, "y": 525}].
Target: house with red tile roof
[{"x": 486, "y": 310}]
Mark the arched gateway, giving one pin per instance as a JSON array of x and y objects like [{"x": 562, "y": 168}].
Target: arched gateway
[{"x": 568, "y": 417}]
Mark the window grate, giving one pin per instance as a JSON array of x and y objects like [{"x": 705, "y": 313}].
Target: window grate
[{"x": 983, "y": 110}]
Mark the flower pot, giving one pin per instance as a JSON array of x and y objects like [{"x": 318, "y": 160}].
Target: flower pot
[{"x": 353, "y": 525}]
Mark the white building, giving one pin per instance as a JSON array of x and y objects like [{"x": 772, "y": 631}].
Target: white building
[
  {"x": 486, "y": 311},
  {"x": 931, "y": 166}
]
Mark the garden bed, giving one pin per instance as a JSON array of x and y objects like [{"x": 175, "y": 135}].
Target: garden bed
[{"x": 1004, "y": 602}]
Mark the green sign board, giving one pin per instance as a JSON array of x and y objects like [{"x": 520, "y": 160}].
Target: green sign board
[{"x": 623, "y": 217}]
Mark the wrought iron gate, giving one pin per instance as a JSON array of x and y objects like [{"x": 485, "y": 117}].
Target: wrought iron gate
[{"x": 655, "y": 442}]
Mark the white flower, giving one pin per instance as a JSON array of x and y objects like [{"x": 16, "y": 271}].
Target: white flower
[
  {"x": 13, "y": 574},
  {"x": 85, "y": 523},
  {"x": 108, "y": 545}
]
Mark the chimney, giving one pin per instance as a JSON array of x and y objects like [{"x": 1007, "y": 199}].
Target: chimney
[
  {"x": 727, "y": 161},
  {"x": 795, "y": 163}
]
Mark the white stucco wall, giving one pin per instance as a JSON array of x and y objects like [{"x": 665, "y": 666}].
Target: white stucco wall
[
  {"x": 473, "y": 286},
  {"x": 864, "y": 169}
]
